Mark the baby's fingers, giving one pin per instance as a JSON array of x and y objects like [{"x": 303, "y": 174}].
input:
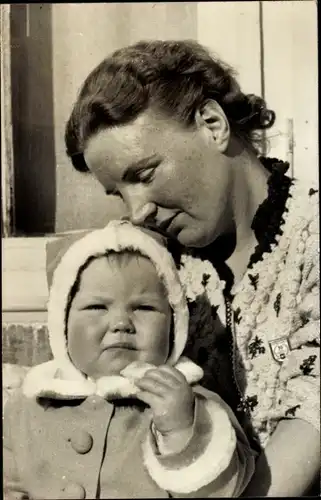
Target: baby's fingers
[
  {"x": 164, "y": 376},
  {"x": 152, "y": 386},
  {"x": 150, "y": 399}
]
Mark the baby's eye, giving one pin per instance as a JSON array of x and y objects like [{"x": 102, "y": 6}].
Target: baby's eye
[
  {"x": 91, "y": 307},
  {"x": 145, "y": 307}
]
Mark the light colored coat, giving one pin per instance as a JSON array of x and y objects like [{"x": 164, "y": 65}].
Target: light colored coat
[
  {"x": 95, "y": 449},
  {"x": 80, "y": 444}
]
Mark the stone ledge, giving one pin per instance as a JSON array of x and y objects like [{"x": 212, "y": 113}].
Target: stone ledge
[{"x": 25, "y": 344}]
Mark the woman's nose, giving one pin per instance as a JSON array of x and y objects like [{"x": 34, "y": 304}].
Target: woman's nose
[
  {"x": 142, "y": 214},
  {"x": 140, "y": 211}
]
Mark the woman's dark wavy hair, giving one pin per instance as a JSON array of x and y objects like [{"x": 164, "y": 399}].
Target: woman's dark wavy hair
[{"x": 175, "y": 77}]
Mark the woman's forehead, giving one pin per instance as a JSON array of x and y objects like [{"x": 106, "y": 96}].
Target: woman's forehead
[
  {"x": 112, "y": 144},
  {"x": 148, "y": 134},
  {"x": 111, "y": 151}
]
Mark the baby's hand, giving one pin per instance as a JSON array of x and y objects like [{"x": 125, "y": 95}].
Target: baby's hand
[{"x": 170, "y": 397}]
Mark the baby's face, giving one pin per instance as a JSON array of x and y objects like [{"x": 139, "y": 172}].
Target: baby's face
[{"x": 120, "y": 314}]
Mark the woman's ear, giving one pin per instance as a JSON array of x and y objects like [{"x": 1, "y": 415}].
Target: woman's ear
[{"x": 211, "y": 115}]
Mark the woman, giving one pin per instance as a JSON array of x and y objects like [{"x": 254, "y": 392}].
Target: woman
[{"x": 166, "y": 127}]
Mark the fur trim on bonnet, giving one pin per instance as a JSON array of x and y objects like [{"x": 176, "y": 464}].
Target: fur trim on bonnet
[{"x": 60, "y": 378}]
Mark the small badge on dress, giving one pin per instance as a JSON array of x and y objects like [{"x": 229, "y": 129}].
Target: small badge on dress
[{"x": 280, "y": 348}]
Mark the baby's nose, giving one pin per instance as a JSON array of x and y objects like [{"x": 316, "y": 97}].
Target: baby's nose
[{"x": 122, "y": 324}]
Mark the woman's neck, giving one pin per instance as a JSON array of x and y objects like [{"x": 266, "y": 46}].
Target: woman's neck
[
  {"x": 249, "y": 190},
  {"x": 230, "y": 253},
  {"x": 259, "y": 191}
]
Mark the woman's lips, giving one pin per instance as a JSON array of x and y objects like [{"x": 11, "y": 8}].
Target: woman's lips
[{"x": 164, "y": 226}]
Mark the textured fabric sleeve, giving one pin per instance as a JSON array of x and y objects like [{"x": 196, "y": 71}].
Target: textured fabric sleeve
[
  {"x": 217, "y": 460},
  {"x": 12, "y": 484},
  {"x": 302, "y": 374}
]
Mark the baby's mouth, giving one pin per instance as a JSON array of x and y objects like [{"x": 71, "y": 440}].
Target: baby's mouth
[{"x": 121, "y": 345}]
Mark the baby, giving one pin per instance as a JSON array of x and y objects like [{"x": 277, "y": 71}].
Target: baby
[{"x": 117, "y": 413}]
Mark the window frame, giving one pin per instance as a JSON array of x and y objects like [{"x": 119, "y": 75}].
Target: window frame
[{"x": 24, "y": 270}]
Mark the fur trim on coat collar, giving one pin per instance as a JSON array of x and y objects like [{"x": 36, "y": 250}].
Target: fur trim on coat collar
[{"x": 50, "y": 381}]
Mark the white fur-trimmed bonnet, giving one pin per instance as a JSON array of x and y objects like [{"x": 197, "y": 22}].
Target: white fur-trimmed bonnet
[{"x": 116, "y": 236}]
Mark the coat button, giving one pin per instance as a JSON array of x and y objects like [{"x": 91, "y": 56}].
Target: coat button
[
  {"x": 73, "y": 491},
  {"x": 96, "y": 402},
  {"x": 81, "y": 441}
]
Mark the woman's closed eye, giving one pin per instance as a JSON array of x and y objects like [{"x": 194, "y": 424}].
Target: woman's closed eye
[{"x": 145, "y": 175}]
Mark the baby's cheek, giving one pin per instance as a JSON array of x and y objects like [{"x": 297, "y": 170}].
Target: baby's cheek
[
  {"x": 160, "y": 341},
  {"x": 95, "y": 328},
  {"x": 81, "y": 335},
  {"x": 87, "y": 326}
]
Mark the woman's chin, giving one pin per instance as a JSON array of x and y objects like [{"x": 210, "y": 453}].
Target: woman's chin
[{"x": 194, "y": 239}]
